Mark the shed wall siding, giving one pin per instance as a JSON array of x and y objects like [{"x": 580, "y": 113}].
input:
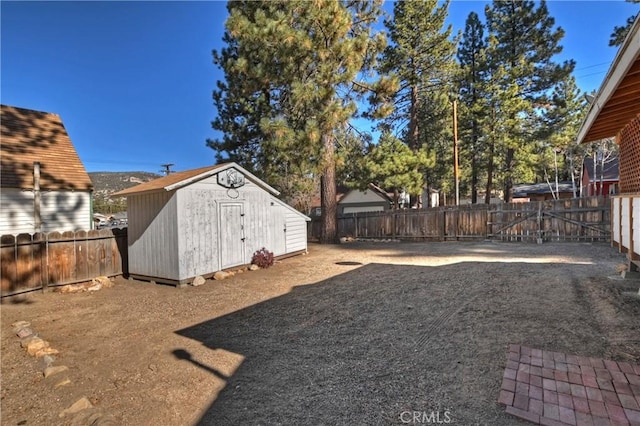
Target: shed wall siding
[
  {"x": 153, "y": 235},
  {"x": 59, "y": 210},
  {"x": 296, "y": 237},
  {"x": 259, "y": 222},
  {"x": 197, "y": 232}
]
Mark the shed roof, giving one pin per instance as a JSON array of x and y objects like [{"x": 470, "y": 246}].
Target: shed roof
[
  {"x": 618, "y": 100},
  {"x": 28, "y": 136},
  {"x": 179, "y": 179}
]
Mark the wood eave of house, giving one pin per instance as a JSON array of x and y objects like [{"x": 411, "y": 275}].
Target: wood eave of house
[{"x": 616, "y": 103}]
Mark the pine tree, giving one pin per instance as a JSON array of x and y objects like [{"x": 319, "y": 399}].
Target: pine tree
[
  {"x": 392, "y": 165},
  {"x": 421, "y": 57},
  {"x": 620, "y": 33},
  {"x": 308, "y": 56},
  {"x": 525, "y": 45},
  {"x": 472, "y": 59},
  {"x": 242, "y": 103},
  {"x": 562, "y": 121}
]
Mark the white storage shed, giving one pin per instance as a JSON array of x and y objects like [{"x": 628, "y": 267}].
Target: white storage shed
[{"x": 205, "y": 220}]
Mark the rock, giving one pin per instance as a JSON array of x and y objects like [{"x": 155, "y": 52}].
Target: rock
[
  {"x": 81, "y": 404},
  {"x": 35, "y": 345},
  {"x": 24, "y": 332},
  {"x": 46, "y": 352},
  {"x": 47, "y": 360},
  {"x": 220, "y": 275},
  {"x": 254, "y": 267},
  {"x": 104, "y": 281},
  {"x": 62, "y": 383},
  {"x": 24, "y": 342},
  {"x": 53, "y": 370},
  {"x": 197, "y": 281},
  {"x": 20, "y": 324}
]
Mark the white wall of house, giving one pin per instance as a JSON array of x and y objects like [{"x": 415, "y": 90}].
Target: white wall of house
[{"x": 59, "y": 210}]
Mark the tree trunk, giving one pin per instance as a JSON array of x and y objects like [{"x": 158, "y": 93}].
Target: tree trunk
[
  {"x": 329, "y": 231},
  {"x": 474, "y": 165},
  {"x": 414, "y": 143},
  {"x": 487, "y": 195},
  {"x": 508, "y": 179}
]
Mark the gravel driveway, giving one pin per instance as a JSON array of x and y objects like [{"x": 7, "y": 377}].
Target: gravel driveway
[{"x": 362, "y": 333}]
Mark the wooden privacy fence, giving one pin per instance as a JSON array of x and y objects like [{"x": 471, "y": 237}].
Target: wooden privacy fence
[
  {"x": 578, "y": 219},
  {"x": 36, "y": 261}
]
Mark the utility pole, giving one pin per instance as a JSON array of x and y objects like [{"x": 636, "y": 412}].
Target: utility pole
[
  {"x": 167, "y": 169},
  {"x": 456, "y": 172}
]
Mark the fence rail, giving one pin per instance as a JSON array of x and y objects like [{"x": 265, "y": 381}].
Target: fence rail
[
  {"x": 35, "y": 261},
  {"x": 578, "y": 219}
]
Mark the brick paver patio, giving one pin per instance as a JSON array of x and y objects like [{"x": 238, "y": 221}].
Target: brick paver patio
[{"x": 552, "y": 388}]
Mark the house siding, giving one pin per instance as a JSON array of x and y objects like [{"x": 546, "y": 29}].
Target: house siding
[{"x": 59, "y": 211}]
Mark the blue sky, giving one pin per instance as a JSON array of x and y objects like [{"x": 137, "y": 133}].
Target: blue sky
[{"x": 132, "y": 81}]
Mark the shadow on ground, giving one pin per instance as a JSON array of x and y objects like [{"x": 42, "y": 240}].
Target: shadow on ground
[{"x": 368, "y": 345}]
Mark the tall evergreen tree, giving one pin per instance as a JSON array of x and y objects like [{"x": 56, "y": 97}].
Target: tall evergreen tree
[
  {"x": 472, "y": 59},
  {"x": 242, "y": 103},
  {"x": 562, "y": 121},
  {"x": 421, "y": 57},
  {"x": 392, "y": 165},
  {"x": 305, "y": 58},
  {"x": 620, "y": 33},
  {"x": 526, "y": 43}
]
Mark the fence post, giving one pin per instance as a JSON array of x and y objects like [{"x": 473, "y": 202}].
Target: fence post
[
  {"x": 539, "y": 236},
  {"x": 355, "y": 231}
]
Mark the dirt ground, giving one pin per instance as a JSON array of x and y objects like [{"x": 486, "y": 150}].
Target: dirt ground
[{"x": 361, "y": 333}]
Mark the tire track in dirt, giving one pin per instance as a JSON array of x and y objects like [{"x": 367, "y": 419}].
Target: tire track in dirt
[{"x": 434, "y": 327}]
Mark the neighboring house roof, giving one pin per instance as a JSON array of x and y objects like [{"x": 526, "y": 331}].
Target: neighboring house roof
[
  {"x": 346, "y": 199},
  {"x": 179, "y": 179},
  {"x": 616, "y": 103},
  {"x": 28, "y": 136},
  {"x": 525, "y": 189},
  {"x": 611, "y": 169},
  {"x": 341, "y": 191}
]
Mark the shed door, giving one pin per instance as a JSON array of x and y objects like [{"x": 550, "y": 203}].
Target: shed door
[{"x": 231, "y": 235}]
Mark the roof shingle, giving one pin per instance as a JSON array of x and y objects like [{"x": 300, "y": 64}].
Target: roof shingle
[{"x": 28, "y": 136}]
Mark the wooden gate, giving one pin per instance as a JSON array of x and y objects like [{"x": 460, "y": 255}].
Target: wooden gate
[{"x": 578, "y": 219}]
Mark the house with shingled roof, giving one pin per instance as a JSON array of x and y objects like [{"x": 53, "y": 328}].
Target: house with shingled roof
[{"x": 44, "y": 186}]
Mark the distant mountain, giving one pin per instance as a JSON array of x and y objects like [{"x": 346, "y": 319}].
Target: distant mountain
[{"x": 106, "y": 183}]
